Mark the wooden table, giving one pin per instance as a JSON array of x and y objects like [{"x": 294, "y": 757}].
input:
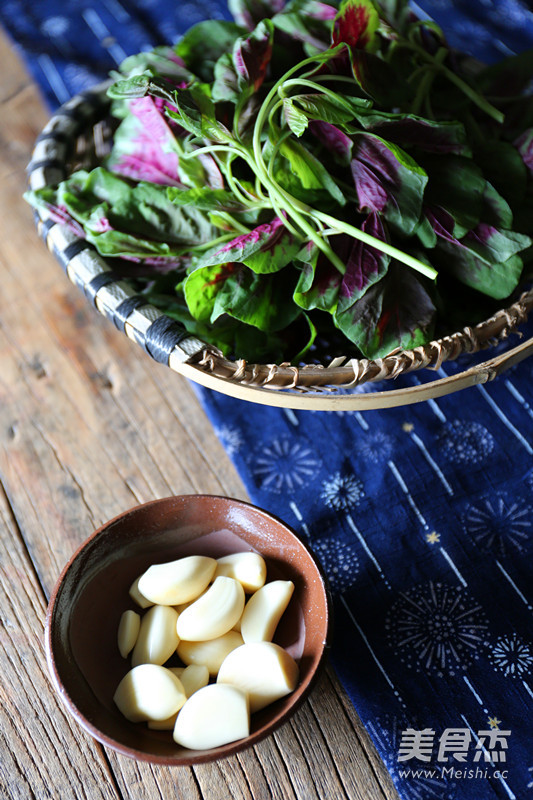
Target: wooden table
[{"x": 90, "y": 426}]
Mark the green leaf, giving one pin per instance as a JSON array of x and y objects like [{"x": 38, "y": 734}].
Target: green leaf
[
  {"x": 308, "y": 22},
  {"x": 496, "y": 210},
  {"x": 411, "y": 130},
  {"x": 318, "y": 283},
  {"x": 204, "y": 43},
  {"x": 356, "y": 24},
  {"x": 251, "y": 57},
  {"x": 267, "y": 248},
  {"x": 262, "y": 301},
  {"x": 137, "y": 86},
  {"x": 397, "y": 311},
  {"x": 493, "y": 245},
  {"x": 138, "y": 220},
  {"x": 308, "y": 170},
  {"x": 388, "y": 181},
  {"x": 457, "y": 184},
  {"x": 496, "y": 280},
  {"x": 326, "y": 108},
  {"x": 295, "y": 119},
  {"x": 160, "y": 61},
  {"x": 249, "y": 13},
  {"x": 196, "y": 113},
  {"x": 225, "y": 86},
  {"x": 206, "y": 199},
  {"x": 504, "y": 168}
]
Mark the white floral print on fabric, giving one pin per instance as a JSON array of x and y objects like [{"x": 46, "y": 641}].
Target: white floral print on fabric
[
  {"x": 465, "y": 442},
  {"x": 339, "y": 560},
  {"x": 512, "y": 656},
  {"x": 284, "y": 465},
  {"x": 437, "y": 628},
  {"x": 499, "y": 525},
  {"x": 375, "y": 446},
  {"x": 230, "y": 437},
  {"x": 342, "y": 492}
]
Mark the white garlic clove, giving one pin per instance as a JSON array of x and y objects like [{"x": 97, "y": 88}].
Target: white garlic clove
[
  {"x": 157, "y": 639},
  {"x": 213, "y": 716},
  {"x": 137, "y": 597},
  {"x": 177, "y": 582},
  {"x": 149, "y": 692},
  {"x": 163, "y": 724},
  {"x": 264, "y": 609},
  {"x": 192, "y": 678},
  {"x": 214, "y": 613},
  {"x": 128, "y": 631},
  {"x": 248, "y": 568},
  {"x": 212, "y": 653},
  {"x": 264, "y": 670}
]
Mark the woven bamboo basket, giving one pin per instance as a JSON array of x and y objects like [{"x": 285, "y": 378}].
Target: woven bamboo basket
[{"x": 77, "y": 136}]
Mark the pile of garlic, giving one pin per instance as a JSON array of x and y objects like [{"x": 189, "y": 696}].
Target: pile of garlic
[{"x": 197, "y": 608}]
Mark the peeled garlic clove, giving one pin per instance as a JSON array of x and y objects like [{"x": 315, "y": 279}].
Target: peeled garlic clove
[
  {"x": 163, "y": 724},
  {"x": 264, "y": 610},
  {"x": 264, "y": 670},
  {"x": 247, "y": 568},
  {"x": 213, "y": 716},
  {"x": 214, "y": 613},
  {"x": 137, "y": 597},
  {"x": 149, "y": 691},
  {"x": 178, "y": 581},
  {"x": 157, "y": 639},
  {"x": 212, "y": 653},
  {"x": 128, "y": 631},
  {"x": 193, "y": 677}
]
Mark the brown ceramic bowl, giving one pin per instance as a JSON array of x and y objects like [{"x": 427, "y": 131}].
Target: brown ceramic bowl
[{"x": 92, "y": 593}]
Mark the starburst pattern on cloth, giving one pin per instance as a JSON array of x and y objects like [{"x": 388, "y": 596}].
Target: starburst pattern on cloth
[
  {"x": 375, "y": 446},
  {"x": 284, "y": 465},
  {"x": 465, "y": 442},
  {"x": 436, "y": 628},
  {"x": 342, "y": 492},
  {"x": 231, "y": 438},
  {"x": 512, "y": 656},
  {"x": 497, "y": 525},
  {"x": 339, "y": 560}
]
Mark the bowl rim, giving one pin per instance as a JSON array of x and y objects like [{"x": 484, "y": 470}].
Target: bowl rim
[{"x": 301, "y": 693}]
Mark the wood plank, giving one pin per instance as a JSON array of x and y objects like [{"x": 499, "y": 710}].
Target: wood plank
[
  {"x": 35, "y": 730},
  {"x": 90, "y": 426}
]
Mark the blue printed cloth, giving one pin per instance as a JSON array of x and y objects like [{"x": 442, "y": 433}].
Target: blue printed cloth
[{"x": 422, "y": 516}]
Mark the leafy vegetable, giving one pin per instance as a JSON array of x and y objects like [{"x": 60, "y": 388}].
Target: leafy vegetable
[{"x": 314, "y": 163}]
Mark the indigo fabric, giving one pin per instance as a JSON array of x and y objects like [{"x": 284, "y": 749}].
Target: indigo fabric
[{"x": 422, "y": 516}]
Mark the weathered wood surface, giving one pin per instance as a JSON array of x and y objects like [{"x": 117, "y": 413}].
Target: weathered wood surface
[{"x": 90, "y": 426}]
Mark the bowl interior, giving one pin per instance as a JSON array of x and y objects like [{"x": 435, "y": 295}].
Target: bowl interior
[{"x": 92, "y": 593}]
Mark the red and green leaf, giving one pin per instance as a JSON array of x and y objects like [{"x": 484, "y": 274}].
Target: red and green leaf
[
  {"x": 397, "y": 311},
  {"x": 355, "y": 24},
  {"x": 387, "y": 180}
]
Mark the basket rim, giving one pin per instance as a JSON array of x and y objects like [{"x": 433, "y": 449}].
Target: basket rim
[{"x": 165, "y": 340}]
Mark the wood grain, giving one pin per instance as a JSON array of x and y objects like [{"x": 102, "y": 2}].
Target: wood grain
[{"x": 90, "y": 426}]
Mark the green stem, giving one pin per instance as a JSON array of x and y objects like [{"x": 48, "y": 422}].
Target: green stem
[
  {"x": 227, "y": 237},
  {"x": 471, "y": 93},
  {"x": 265, "y": 106},
  {"x": 217, "y": 148},
  {"x": 236, "y": 225},
  {"x": 248, "y": 202},
  {"x": 427, "y": 79},
  {"x": 385, "y": 247}
]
